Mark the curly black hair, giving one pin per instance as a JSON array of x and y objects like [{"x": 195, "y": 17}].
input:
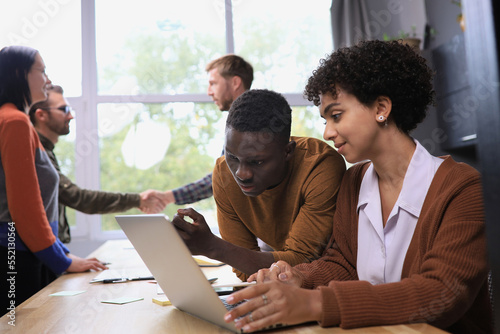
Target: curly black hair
[
  {"x": 371, "y": 69},
  {"x": 261, "y": 110}
]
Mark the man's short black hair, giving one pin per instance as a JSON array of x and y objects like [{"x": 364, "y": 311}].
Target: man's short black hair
[{"x": 261, "y": 110}]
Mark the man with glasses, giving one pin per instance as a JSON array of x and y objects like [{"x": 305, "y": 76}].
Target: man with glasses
[{"x": 51, "y": 119}]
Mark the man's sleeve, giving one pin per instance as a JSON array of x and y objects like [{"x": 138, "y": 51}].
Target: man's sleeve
[
  {"x": 93, "y": 201},
  {"x": 312, "y": 227},
  {"x": 194, "y": 192},
  {"x": 338, "y": 261},
  {"x": 230, "y": 226}
]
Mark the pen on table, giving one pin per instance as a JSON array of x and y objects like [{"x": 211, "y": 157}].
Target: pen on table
[
  {"x": 125, "y": 279},
  {"x": 122, "y": 279}
]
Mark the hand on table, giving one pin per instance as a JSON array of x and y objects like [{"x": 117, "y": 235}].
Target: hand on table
[{"x": 79, "y": 264}]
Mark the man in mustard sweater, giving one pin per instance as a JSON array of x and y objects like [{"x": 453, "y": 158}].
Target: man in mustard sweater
[{"x": 267, "y": 185}]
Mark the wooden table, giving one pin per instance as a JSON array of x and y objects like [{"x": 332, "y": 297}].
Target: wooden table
[{"x": 85, "y": 313}]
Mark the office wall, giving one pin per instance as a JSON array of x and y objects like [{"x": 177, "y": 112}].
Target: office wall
[
  {"x": 442, "y": 16},
  {"x": 434, "y": 133},
  {"x": 482, "y": 41}
]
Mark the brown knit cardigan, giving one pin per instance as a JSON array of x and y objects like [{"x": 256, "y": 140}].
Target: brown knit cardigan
[{"x": 444, "y": 276}]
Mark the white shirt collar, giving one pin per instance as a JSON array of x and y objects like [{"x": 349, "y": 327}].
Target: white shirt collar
[{"x": 420, "y": 171}]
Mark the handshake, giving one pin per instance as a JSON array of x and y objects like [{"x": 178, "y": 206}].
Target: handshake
[{"x": 155, "y": 201}]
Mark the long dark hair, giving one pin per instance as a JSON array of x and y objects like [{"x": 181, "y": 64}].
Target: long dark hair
[{"x": 15, "y": 63}]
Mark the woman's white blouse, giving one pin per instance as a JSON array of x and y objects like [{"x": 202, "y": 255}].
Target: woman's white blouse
[{"x": 381, "y": 251}]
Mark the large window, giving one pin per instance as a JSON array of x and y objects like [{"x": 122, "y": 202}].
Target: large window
[
  {"x": 53, "y": 28},
  {"x": 135, "y": 74},
  {"x": 283, "y": 41},
  {"x": 156, "y": 47}
]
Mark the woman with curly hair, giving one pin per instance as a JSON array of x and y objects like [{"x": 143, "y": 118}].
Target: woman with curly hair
[{"x": 408, "y": 242}]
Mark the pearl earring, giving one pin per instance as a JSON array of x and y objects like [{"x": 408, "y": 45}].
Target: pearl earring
[{"x": 381, "y": 118}]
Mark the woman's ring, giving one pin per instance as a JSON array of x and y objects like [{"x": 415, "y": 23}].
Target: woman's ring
[
  {"x": 250, "y": 317},
  {"x": 264, "y": 297}
]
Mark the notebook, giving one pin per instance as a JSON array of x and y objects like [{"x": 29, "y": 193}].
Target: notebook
[{"x": 169, "y": 260}]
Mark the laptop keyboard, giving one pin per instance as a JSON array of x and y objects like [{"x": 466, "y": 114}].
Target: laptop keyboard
[{"x": 228, "y": 306}]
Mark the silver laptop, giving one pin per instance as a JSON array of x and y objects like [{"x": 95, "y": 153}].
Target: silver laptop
[{"x": 170, "y": 261}]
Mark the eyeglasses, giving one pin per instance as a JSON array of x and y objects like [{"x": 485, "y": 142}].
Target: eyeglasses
[{"x": 64, "y": 109}]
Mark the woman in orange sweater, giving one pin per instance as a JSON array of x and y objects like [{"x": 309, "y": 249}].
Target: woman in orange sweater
[
  {"x": 408, "y": 242},
  {"x": 31, "y": 255}
]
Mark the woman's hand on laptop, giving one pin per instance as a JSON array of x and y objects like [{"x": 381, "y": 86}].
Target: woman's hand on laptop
[
  {"x": 196, "y": 235},
  {"x": 273, "y": 303}
]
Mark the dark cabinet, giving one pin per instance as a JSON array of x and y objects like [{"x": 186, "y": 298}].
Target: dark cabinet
[{"x": 456, "y": 103}]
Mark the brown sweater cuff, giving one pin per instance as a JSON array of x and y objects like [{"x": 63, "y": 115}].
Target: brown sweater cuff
[
  {"x": 331, "y": 312},
  {"x": 304, "y": 276}
]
